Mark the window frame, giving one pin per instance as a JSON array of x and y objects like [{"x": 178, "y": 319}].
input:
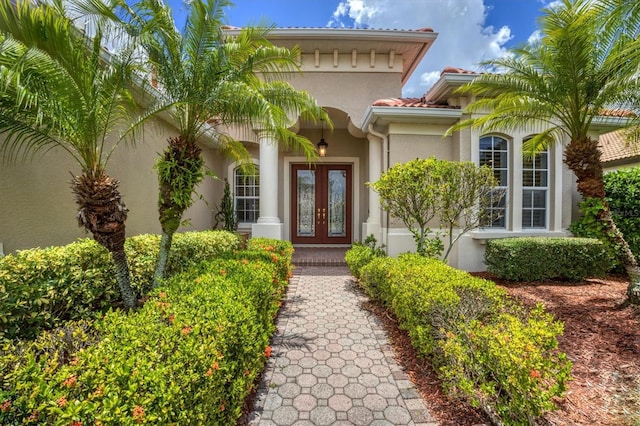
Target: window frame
[
  {"x": 530, "y": 166},
  {"x": 505, "y": 201},
  {"x": 255, "y": 186}
]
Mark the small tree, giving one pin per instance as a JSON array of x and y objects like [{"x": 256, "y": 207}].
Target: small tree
[
  {"x": 466, "y": 195},
  {"x": 409, "y": 192},
  {"x": 456, "y": 194},
  {"x": 226, "y": 215}
]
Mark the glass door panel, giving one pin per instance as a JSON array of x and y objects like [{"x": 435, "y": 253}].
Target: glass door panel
[
  {"x": 337, "y": 201},
  {"x": 306, "y": 205}
]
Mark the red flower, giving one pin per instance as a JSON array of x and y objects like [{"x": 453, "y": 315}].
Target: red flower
[
  {"x": 70, "y": 382},
  {"x": 267, "y": 351},
  {"x": 138, "y": 414},
  {"x": 171, "y": 318},
  {"x": 75, "y": 423},
  {"x": 535, "y": 374},
  {"x": 223, "y": 272},
  {"x": 185, "y": 330},
  {"x": 62, "y": 402}
]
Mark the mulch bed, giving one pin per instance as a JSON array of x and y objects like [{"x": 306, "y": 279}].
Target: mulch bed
[{"x": 601, "y": 338}]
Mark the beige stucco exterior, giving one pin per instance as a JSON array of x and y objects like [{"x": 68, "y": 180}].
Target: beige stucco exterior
[{"x": 357, "y": 77}]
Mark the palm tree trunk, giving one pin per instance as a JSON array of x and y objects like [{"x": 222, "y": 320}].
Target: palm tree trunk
[
  {"x": 163, "y": 256},
  {"x": 179, "y": 171},
  {"x": 122, "y": 276},
  {"x": 583, "y": 158},
  {"x": 102, "y": 212}
]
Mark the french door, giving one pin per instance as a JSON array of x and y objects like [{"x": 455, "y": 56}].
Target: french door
[{"x": 321, "y": 204}]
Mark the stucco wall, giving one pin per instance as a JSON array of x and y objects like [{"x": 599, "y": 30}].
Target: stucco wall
[{"x": 37, "y": 207}]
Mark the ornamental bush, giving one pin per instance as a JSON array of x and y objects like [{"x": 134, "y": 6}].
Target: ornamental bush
[
  {"x": 189, "y": 356},
  {"x": 486, "y": 347},
  {"x": 361, "y": 254},
  {"x": 540, "y": 258},
  {"x": 42, "y": 288}
]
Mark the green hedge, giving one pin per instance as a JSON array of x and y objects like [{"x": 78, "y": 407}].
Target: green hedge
[
  {"x": 42, "y": 288},
  {"x": 539, "y": 258},
  {"x": 361, "y": 254},
  {"x": 485, "y": 347},
  {"x": 190, "y": 355}
]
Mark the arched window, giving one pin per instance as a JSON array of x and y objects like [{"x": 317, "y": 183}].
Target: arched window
[
  {"x": 494, "y": 153},
  {"x": 246, "y": 195},
  {"x": 535, "y": 186}
]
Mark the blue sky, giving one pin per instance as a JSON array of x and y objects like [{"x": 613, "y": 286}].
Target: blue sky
[{"x": 469, "y": 31}]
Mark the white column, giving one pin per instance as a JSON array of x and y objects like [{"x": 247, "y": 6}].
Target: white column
[
  {"x": 373, "y": 225},
  {"x": 268, "y": 224}
]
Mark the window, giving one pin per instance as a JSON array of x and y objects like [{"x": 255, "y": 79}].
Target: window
[
  {"x": 494, "y": 153},
  {"x": 246, "y": 195},
  {"x": 535, "y": 185}
]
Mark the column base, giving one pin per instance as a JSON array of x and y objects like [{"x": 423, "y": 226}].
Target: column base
[
  {"x": 267, "y": 230},
  {"x": 374, "y": 229}
]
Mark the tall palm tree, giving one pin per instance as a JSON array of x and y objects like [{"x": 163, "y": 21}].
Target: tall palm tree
[
  {"x": 59, "y": 89},
  {"x": 205, "y": 76},
  {"x": 585, "y": 63}
]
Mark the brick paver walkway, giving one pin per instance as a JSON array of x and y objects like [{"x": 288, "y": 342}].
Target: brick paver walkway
[{"x": 331, "y": 363}]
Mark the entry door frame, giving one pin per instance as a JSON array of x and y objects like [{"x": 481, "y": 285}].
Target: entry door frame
[{"x": 355, "y": 205}]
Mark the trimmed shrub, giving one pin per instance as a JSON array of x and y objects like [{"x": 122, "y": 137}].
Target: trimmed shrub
[
  {"x": 189, "y": 356},
  {"x": 361, "y": 254},
  {"x": 42, "y": 288},
  {"x": 540, "y": 258},
  {"x": 623, "y": 195},
  {"x": 486, "y": 348}
]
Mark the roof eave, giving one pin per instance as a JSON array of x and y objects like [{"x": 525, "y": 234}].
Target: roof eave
[
  {"x": 446, "y": 84},
  {"x": 409, "y": 114}
]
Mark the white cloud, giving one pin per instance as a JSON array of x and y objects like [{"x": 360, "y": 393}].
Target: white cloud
[
  {"x": 535, "y": 37},
  {"x": 463, "y": 38}
]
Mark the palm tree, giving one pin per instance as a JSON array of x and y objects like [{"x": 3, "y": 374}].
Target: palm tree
[
  {"x": 59, "y": 89},
  {"x": 205, "y": 76},
  {"x": 585, "y": 63}
]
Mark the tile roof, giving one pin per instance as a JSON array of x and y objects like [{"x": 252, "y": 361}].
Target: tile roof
[
  {"x": 411, "y": 102},
  {"x": 614, "y": 146},
  {"x": 456, "y": 70},
  {"x": 617, "y": 113}
]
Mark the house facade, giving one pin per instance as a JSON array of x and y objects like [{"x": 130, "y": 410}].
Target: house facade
[{"x": 357, "y": 76}]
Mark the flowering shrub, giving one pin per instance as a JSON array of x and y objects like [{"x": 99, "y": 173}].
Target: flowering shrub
[
  {"x": 486, "y": 347},
  {"x": 42, "y": 288},
  {"x": 190, "y": 355}
]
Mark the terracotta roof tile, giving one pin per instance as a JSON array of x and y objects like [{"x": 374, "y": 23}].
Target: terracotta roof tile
[
  {"x": 617, "y": 113},
  {"x": 456, "y": 70},
  {"x": 411, "y": 102},
  {"x": 614, "y": 146}
]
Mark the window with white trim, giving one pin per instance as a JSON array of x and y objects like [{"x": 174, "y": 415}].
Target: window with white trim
[
  {"x": 246, "y": 195},
  {"x": 535, "y": 187},
  {"x": 494, "y": 153}
]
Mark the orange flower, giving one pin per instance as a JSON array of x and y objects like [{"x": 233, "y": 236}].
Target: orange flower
[
  {"x": 99, "y": 391},
  {"x": 245, "y": 261},
  {"x": 267, "y": 351},
  {"x": 223, "y": 272},
  {"x": 535, "y": 374},
  {"x": 4, "y": 407},
  {"x": 247, "y": 372},
  {"x": 209, "y": 373},
  {"x": 74, "y": 361},
  {"x": 171, "y": 318},
  {"x": 162, "y": 295},
  {"x": 70, "y": 382},
  {"x": 33, "y": 417},
  {"x": 185, "y": 330},
  {"x": 138, "y": 414},
  {"x": 222, "y": 407},
  {"x": 215, "y": 365},
  {"x": 62, "y": 402},
  {"x": 76, "y": 423}
]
